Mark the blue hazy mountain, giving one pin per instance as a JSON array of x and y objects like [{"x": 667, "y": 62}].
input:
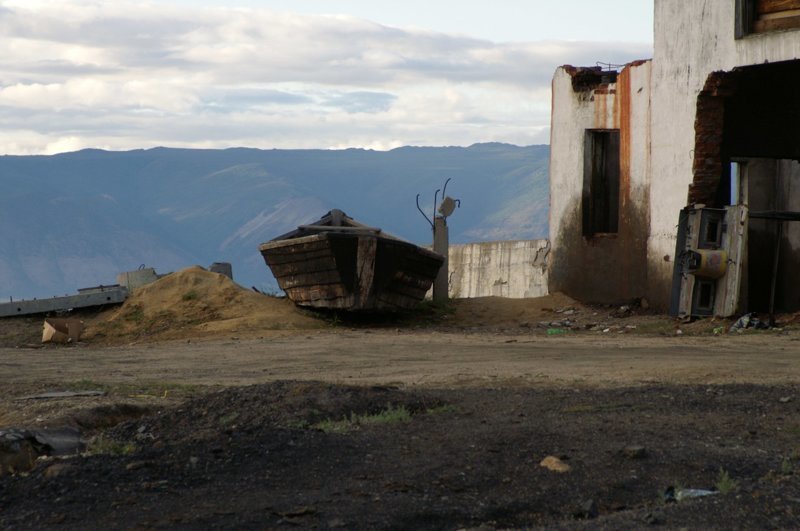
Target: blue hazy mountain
[{"x": 77, "y": 219}]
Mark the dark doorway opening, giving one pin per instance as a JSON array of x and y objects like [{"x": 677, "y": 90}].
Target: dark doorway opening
[
  {"x": 601, "y": 182},
  {"x": 747, "y": 151}
]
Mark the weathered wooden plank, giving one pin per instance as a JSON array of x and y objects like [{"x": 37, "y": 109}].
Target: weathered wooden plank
[
  {"x": 325, "y": 263},
  {"x": 298, "y": 254},
  {"x": 342, "y": 303},
  {"x": 280, "y": 257},
  {"x": 775, "y": 6},
  {"x": 780, "y": 15},
  {"x": 365, "y": 268},
  {"x": 415, "y": 281},
  {"x": 313, "y": 279},
  {"x": 298, "y": 257},
  {"x": 329, "y": 291},
  {"x": 410, "y": 251},
  {"x": 776, "y": 24},
  {"x": 334, "y": 302},
  {"x": 307, "y": 242},
  {"x": 395, "y": 300},
  {"x": 408, "y": 291},
  {"x": 421, "y": 265}
]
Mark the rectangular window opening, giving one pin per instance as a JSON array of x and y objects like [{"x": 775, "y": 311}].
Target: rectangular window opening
[
  {"x": 601, "y": 182},
  {"x": 762, "y": 16},
  {"x": 712, "y": 229},
  {"x": 705, "y": 295}
]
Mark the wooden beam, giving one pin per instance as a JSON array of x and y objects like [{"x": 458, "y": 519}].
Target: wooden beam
[
  {"x": 775, "y": 215},
  {"x": 308, "y": 294},
  {"x": 781, "y": 15},
  {"x": 310, "y": 279},
  {"x": 764, "y": 7},
  {"x": 338, "y": 303},
  {"x": 325, "y": 263},
  {"x": 300, "y": 256},
  {"x": 365, "y": 269},
  {"x": 776, "y": 24},
  {"x": 406, "y": 290},
  {"x": 277, "y": 244}
]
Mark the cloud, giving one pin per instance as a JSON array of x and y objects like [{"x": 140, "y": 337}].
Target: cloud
[
  {"x": 236, "y": 97},
  {"x": 137, "y": 74},
  {"x": 362, "y": 102}
]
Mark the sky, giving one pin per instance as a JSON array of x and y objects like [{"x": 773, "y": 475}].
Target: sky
[{"x": 379, "y": 74}]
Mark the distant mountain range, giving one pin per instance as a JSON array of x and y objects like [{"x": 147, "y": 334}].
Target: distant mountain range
[{"x": 77, "y": 219}]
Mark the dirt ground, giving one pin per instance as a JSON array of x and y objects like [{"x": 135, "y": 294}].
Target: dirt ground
[{"x": 211, "y": 418}]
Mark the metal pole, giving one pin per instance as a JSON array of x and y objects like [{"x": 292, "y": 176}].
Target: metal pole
[
  {"x": 775, "y": 274},
  {"x": 441, "y": 245}
]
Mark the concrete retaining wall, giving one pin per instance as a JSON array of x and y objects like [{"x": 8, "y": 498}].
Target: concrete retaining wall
[
  {"x": 512, "y": 269},
  {"x": 86, "y": 298}
]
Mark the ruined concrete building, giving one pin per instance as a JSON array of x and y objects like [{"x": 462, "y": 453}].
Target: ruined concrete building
[{"x": 689, "y": 158}]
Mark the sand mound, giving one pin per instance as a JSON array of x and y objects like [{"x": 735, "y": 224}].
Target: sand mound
[{"x": 195, "y": 303}]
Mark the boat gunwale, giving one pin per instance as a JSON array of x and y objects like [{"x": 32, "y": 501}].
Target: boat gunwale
[{"x": 332, "y": 234}]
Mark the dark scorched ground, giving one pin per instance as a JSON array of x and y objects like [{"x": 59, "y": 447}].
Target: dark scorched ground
[{"x": 252, "y": 458}]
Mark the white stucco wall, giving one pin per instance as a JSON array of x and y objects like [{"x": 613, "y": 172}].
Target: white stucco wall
[
  {"x": 692, "y": 40},
  {"x": 567, "y": 123},
  {"x": 575, "y": 112},
  {"x": 512, "y": 269},
  {"x": 611, "y": 267}
]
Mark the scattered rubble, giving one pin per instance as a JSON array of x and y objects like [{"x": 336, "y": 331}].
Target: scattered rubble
[
  {"x": 749, "y": 320},
  {"x": 62, "y": 330},
  {"x": 555, "y": 464},
  {"x": 634, "y": 452},
  {"x": 20, "y": 448}
]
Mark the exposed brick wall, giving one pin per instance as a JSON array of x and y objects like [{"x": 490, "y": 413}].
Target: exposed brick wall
[{"x": 708, "y": 128}]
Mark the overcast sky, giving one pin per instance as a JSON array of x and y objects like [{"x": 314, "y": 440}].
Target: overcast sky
[{"x": 119, "y": 74}]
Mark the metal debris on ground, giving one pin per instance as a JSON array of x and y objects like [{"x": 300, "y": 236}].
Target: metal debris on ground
[
  {"x": 588, "y": 510},
  {"x": 20, "y": 448},
  {"x": 62, "y": 394},
  {"x": 673, "y": 494},
  {"x": 622, "y": 312},
  {"x": 748, "y": 320},
  {"x": 566, "y": 323}
]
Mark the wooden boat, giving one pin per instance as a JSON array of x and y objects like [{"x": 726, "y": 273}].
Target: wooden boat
[{"x": 339, "y": 263}]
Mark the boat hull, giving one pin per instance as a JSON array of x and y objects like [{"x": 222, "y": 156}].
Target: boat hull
[{"x": 352, "y": 271}]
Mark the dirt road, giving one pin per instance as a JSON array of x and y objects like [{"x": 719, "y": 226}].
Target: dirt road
[
  {"x": 631, "y": 415},
  {"x": 221, "y": 408},
  {"x": 420, "y": 358}
]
